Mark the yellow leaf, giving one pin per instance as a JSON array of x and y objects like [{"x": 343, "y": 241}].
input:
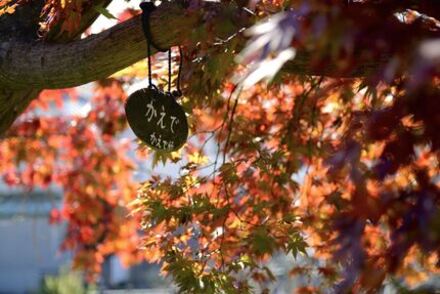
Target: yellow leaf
[
  {"x": 8, "y": 9},
  {"x": 197, "y": 158}
]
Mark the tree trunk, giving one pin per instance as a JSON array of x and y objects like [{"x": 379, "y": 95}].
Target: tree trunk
[
  {"x": 23, "y": 26},
  {"x": 12, "y": 104}
]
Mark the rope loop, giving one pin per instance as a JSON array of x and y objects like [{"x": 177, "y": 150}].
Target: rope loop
[{"x": 147, "y": 9}]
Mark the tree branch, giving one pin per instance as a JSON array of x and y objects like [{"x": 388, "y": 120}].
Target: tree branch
[
  {"x": 23, "y": 25},
  {"x": 50, "y": 66}
]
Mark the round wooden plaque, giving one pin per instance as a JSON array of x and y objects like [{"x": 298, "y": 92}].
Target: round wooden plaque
[{"x": 157, "y": 119}]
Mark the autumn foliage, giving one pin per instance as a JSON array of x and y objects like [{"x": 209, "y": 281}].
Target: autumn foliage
[{"x": 341, "y": 164}]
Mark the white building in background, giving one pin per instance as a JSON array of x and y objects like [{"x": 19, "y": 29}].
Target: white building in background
[{"x": 29, "y": 245}]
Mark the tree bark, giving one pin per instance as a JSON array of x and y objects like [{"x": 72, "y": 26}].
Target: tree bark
[
  {"x": 23, "y": 25},
  {"x": 53, "y": 66},
  {"x": 13, "y": 103}
]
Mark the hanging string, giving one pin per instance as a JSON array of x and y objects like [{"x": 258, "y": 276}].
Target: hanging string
[
  {"x": 150, "y": 79},
  {"x": 147, "y": 8},
  {"x": 169, "y": 71},
  {"x": 178, "y": 92}
]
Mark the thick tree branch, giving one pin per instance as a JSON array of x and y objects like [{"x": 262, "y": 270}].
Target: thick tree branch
[
  {"x": 50, "y": 66},
  {"x": 23, "y": 25}
]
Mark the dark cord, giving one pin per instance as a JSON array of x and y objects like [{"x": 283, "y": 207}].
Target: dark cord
[
  {"x": 177, "y": 93},
  {"x": 169, "y": 71},
  {"x": 147, "y": 8},
  {"x": 150, "y": 79}
]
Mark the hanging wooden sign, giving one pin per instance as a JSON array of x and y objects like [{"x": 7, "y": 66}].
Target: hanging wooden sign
[
  {"x": 157, "y": 119},
  {"x": 153, "y": 115}
]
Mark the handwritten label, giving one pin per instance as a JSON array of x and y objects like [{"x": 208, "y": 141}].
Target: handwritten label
[{"x": 157, "y": 119}]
